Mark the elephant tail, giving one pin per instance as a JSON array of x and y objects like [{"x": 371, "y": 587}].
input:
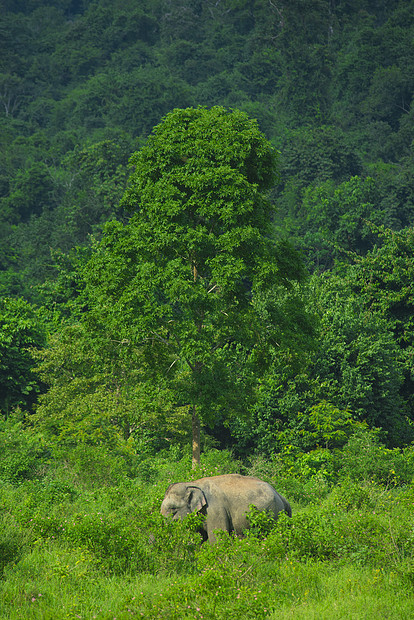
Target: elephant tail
[{"x": 286, "y": 506}]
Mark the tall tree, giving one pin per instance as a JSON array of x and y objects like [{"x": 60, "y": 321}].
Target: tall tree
[{"x": 194, "y": 269}]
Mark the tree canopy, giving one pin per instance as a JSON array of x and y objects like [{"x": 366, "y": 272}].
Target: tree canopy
[
  {"x": 194, "y": 270},
  {"x": 217, "y": 295}
]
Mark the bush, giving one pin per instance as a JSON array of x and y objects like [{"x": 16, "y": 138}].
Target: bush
[
  {"x": 302, "y": 485},
  {"x": 304, "y": 537},
  {"x": 365, "y": 458},
  {"x": 90, "y": 466},
  {"x": 261, "y": 522},
  {"x": 122, "y": 537},
  {"x": 216, "y": 462},
  {"x": 56, "y": 534},
  {"x": 348, "y": 496},
  {"x": 22, "y": 452}
]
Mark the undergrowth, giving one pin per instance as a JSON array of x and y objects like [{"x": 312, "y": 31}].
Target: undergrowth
[{"x": 75, "y": 544}]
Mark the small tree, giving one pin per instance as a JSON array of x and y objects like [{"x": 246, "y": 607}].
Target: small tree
[{"x": 194, "y": 270}]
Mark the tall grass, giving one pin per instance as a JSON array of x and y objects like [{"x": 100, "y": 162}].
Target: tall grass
[{"x": 89, "y": 542}]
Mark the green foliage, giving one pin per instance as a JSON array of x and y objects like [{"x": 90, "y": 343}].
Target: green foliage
[
  {"x": 331, "y": 85},
  {"x": 323, "y": 426},
  {"x": 354, "y": 376},
  {"x": 309, "y": 476},
  {"x": 121, "y": 547},
  {"x": 22, "y": 451},
  {"x": 359, "y": 359},
  {"x": 384, "y": 277},
  {"x": 97, "y": 176},
  {"x": 317, "y": 464},
  {"x": 332, "y": 426},
  {"x": 383, "y": 282},
  {"x": 193, "y": 269},
  {"x": 13, "y": 542},
  {"x": 261, "y": 523},
  {"x": 353, "y": 548},
  {"x": 316, "y": 155},
  {"x": 81, "y": 86},
  {"x": 337, "y": 215},
  {"x": 365, "y": 458},
  {"x": 22, "y": 330},
  {"x": 216, "y": 462},
  {"x": 100, "y": 393},
  {"x": 29, "y": 193}
]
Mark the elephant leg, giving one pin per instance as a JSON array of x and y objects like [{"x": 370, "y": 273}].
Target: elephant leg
[{"x": 217, "y": 521}]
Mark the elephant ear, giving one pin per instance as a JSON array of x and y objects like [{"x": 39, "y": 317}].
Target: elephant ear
[{"x": 196, "y": 499}]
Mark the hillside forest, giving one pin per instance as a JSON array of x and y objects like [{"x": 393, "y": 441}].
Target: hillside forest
[{"x": 206, "y": 266}]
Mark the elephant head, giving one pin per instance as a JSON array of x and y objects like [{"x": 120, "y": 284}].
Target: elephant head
[{"x": 181, "y": 499}]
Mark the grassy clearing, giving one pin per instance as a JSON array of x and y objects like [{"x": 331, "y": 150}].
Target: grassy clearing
[
  {"x": 350, "y": 592},
  {"x": 73, "y": 545}
]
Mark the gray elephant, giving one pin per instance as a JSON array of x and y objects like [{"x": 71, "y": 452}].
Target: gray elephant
[{"x": 225, "y": 500}]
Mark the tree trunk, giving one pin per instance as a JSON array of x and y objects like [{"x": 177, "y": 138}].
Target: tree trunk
[
  {"x": 195, "y": 418},
  {"x": 196, "y": 437}
]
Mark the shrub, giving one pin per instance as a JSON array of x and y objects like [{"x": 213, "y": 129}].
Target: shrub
[
  {"x": 349, "y": 495},
  {"x": 365, "y": 458},
  {"x": 91, "y": 466},
  {"x": 261, "y": 522},
  {"x": 22, "y": 452},
  {"x": 216, "y": 462}
]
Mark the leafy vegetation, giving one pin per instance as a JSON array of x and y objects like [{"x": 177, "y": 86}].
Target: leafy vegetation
[
  {"x": 206, "y": 218},
  {"x": 194, "y": 272},
  {"x": 82, "y": 536}
]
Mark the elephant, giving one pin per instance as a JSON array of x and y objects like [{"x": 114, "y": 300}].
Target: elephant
[{"x": 224, "y": 500}]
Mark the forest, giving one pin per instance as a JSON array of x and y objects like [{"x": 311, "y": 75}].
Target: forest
[{"x": 206, "y": 267}]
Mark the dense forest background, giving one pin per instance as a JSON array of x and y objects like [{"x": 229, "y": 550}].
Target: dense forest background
[
  {"x": 301, "y": 373},
  {"x": 82, "y": 83}
]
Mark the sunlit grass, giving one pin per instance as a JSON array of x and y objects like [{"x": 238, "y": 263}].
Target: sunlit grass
[
  {"x": 349, "y": 592},
  {"x": 71, "y": 550}
]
